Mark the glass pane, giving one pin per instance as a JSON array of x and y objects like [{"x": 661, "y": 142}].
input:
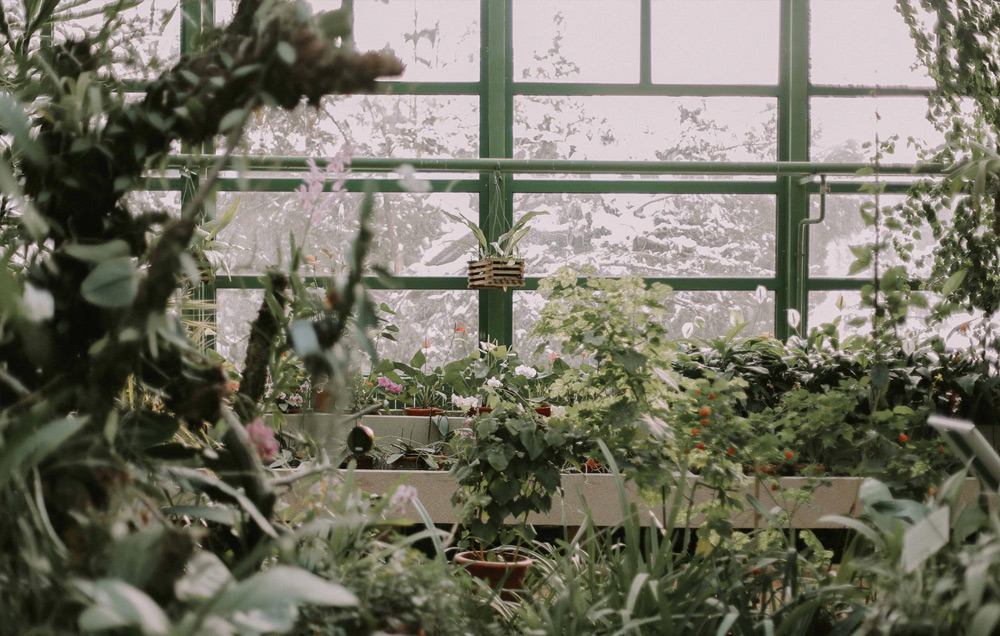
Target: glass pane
[
  {"x": 412, "y": 237},
  {"x": 572, "y": 41},
  {"x": 444, "y": 324},
  {"x": 141, "y": 202},
  {"x": 235, "y": 310},
  {"x": 711, "y": 312},
  {"x": 437, "y": 40},
  {"x": 147, "y": 42},
  {"x": 830, "y": 242},
  {"x": 843, "y": 125},
  {"x": 862, "y": 42},
  {"x": 715, "y": 41},
  {"x": 373, "y": 125},
  {"x": 645, "y": 128},
  {"x": 651, "y": 235}
]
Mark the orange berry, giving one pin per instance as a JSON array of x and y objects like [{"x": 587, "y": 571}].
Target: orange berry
[
  {"x": 903, "y": 438},
  {"x": 711, "y": 396},
  {"x": 940, "y": 450},
  {"x": 704, "y": 421},
  {"x": 932, "y": 491},
  {"x": 700, "y": 447},
  {"x": 789, "y": 454},
  {"x": 774, "y": 486},
  {"x": 705, "y": 411},
  {"x": 695, "y": 431},
  {"x": 756, "y": 571},
  {"x": 730, "y": 451}
]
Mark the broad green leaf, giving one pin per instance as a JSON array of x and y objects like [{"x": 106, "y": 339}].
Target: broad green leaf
[
  {"x": 418, "y": 360},
  {"x": 113, "y": 283},
  {"x": 95, "y": 254},
  {"x": 497, "y": 458},
  {"x": 206, "y": 576},
  {"x": 282, "y": 585},
  {"x": 925, "y": 539},
  {"x": 985, "y": 621},
  {"x": 118, "y": 605},
  {"x": 286, "y": 52},
  {"x": 953, "y": 282},
  {"x": 31, "y": 447}
]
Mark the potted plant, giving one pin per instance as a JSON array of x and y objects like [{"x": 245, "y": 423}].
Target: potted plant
[
  {"x": 507, "y": 469},
  {"x": 405, "y": 456},
  {"x": 498, "y": 264},
  {"x": 423, "y": 388}
]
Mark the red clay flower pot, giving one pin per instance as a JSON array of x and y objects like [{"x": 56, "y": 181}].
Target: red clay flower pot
[{"x": 508, "y": 572}]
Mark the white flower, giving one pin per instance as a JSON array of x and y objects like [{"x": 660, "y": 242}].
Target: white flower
[
  {"x": 525, "y": 371},
  {"x": 37, "y": 304},
  {"x": 494, "y": 383},
  {"x": 464, "y": 403},
  {"x": 794, "y": 317},
  {"x": 408, "y": 180},
  {"x": 558, "y": 411},
  {"x": 487, "y": 346},
  {"x": 403, "y": 497}
]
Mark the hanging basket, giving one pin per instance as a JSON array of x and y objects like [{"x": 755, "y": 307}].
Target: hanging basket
[{"x": 496, "y": 273}]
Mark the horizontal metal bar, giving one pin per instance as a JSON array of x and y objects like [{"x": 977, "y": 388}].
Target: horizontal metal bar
[
  {"x": 290, "y": 184},
  {"x": 644, "y": 186},
  {"x": 854, "y": 187},
  {"x": 824, "y": 90},
  {"x": 569, "y": 166},
  {"x": 427, "y": 88},
  {"x": 836, "y": 284},
  {"x": 407, "y": 283},
  {"x": 643, "y": 90},
  {"x": 460, "y": 283}
]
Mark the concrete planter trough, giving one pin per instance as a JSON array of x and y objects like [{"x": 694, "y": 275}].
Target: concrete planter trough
[{"x": 598, "y": 492}]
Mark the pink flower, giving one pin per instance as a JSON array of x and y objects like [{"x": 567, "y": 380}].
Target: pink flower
[
  {"x": 390, "y": 387},
  {"x": 262, "y": 440},
  {"x": 403, "y": 497}
]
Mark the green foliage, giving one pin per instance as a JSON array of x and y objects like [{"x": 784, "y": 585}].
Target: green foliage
[{"x": 508, "y": 468}]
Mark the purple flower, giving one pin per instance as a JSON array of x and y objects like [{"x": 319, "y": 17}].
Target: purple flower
[
  {"x": 390, "y": 387},
  {"x": 262, "y": 440}
]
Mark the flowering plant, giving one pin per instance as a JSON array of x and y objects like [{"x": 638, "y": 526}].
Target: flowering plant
[{"x": 288, "y": 384}]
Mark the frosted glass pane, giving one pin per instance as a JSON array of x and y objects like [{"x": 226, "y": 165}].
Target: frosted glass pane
[
  {"x": 437, "y": 40},
  {"x": 146, "y": 43},
  {"x": 651, "y": 235},
  {"x": 412, "y": 237},
  {"x": 645, "y": 128},
  {"x": 830, "y": 242},
  {"x": 573, "y": 41},
  {"x": 712, "y": 310},
  {"x": 443, "y": 324},
  {"x": 143, "y": 201},
  {"x": 863, "y": 42},
  {"x": 235, "y": 311},
  {"x": 842, "y": 125},
  {"x": 374, "y": 126},
  {"x": 715, "y": 41}
]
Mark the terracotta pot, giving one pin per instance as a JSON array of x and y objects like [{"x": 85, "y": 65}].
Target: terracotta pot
[
  {"x": 508, "y": 572},
  {"x": 322, "y": 401},
  {"x": 479, "y": 410},
  {"x": 365, "y": 462},
  {"x": 412, "y": 410}
]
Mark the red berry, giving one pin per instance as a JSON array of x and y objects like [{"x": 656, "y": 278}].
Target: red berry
[
  {"x": 789, "y": 454},
  {"x": 698, "y": 391},
  {"x": 700, "y": 447},
  {"x": 940, "y": 450},
  {"x": 903, "y": 438},
  {"x": 704, "y": 421},
  {"x": 774, "y": 486},
  {"x": 705, "y": 411},
  {"x": 695, "y": 431},
  {"x": 711, "y": 396},
  {"x": 756, "y": 571},
  {"x": 932, "y": 491},
  {"x": 730, "y": 451}
]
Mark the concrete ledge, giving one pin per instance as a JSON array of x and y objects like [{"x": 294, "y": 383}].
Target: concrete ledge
[{"x": 832, "y": 496}]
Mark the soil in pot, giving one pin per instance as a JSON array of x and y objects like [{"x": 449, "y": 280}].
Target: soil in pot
[{"x": 507, "y": 572}]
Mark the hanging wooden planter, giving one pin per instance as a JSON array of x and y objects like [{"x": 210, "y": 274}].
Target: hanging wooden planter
[{"x": 495, "y": 273}]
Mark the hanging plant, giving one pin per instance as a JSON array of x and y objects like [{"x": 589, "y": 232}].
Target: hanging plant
[{"x": 499, "y": 264}]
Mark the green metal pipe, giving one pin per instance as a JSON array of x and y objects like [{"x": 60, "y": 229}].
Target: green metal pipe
[{"x": 571, "y": 166}]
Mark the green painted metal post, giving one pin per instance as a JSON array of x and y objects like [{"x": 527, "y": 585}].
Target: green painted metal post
[
  {"x": 793, "y": 145},
  {"x": 496, "y": 307}
]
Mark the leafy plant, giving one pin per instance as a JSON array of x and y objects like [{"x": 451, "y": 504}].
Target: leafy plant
[{"x": 505, "y": 246}]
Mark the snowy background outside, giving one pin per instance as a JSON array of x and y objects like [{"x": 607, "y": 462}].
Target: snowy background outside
[{"x": 853, "y": 42}]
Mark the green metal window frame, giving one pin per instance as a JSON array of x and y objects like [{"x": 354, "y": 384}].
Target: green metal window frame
[{"x": 497, "y": 89}]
